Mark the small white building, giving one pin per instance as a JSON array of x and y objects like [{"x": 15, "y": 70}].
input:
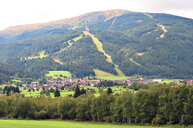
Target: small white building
[{"x": 156, "y": 80}]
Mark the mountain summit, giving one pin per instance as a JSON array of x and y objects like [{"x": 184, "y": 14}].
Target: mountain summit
[
  {"x": 71, "y": 22},
  {"x": 114, "y": 42}
]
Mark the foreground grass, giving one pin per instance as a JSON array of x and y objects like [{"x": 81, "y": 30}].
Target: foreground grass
[{"x": 66, "y": 124}]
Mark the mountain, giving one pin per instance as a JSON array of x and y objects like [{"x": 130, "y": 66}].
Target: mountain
[{"x": 118, "y": 42}]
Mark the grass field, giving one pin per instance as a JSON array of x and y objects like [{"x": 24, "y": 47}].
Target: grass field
[
  {"x": 58, "y": 73},
  {"x": 170, "y": 81},
  {"x": 35, "y": 93},
  {"x": 64, "y": 93},
  {"x": 66, "y": 124},
  {"x": 108, "y": 76}
]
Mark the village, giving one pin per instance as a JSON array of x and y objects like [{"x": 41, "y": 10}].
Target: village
[{"x": 69, "y": 83}]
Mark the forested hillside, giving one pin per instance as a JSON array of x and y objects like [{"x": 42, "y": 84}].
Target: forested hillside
[
  {"x": 8, "y": 72},
  {"x": 115, "y": 41}
]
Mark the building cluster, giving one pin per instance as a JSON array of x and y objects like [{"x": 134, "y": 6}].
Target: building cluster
[
  {"x": 62, "y": 84},
  {"x": 157, "y": 80},
  {"x": 69, "y": 83},
  {"x": 143, "y": 80}
]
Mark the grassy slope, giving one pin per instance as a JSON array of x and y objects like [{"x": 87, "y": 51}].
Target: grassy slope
[
  {"x": 41, "y": 55},
  {"x": 57, "y": 73},
  {"x": 102, "y": 74},
  {"x": 131, "y": 59},
  {"x": 107, "y": 76},
  {"x": 99, "y": 46},
  {"x": 64, "y": 124},
  {"x": 120, "y": 73},
  {"x": 70, "y": 43}
]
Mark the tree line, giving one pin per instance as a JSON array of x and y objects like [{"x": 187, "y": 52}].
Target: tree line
[{"x": 157, "y": 105}]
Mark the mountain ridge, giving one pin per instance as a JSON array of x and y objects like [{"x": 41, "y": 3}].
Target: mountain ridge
[{"x": 68, "y": 21}]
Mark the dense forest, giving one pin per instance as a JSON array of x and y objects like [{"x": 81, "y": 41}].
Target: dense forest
[
  {"x": 7, "y": 73},
  {"x": 157, "y": 105}
]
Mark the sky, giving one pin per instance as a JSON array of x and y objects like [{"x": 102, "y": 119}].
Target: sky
[{"x": 20, "y": 12}]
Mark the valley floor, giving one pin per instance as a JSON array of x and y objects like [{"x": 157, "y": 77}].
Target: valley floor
[{"x": 66, "y": 124}]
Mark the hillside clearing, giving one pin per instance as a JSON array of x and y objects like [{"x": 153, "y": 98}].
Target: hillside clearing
[
  {"x": 99, "y": 46},
  {"x": 120, "y": 73},
  {"x": 41, "y": 55},
  {"x": 164, "y": 29},
  {"x": 58, "y": 61},
  {"x": 140, "y": 53},
  {"x": 100, "y": 49},
  {"x": 69, "y": 43},
  {"x": 113, "y": 22},
  {"x": 148, "y": 15},
  {"x": 131, "y": 59}
]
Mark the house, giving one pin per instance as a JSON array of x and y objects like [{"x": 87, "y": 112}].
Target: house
[
  {"x": 144, "y": 81},
  {"x": 189, "y": 81},
  {"x": 91, "y": 84},
  {"x": 140, "y": 78},
  {"x": 156, "y": 80},
  {"x": 176, "y": 82},
  {"x": 35, "y": 83}
]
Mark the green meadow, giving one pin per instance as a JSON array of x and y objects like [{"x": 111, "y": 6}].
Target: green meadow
[
  {"x": 66, "y": 124},
  {"x": 58, "y": 73},
  {"x": 64, "y": 93},
  {"x": 35, "y": 93},
  {"x": 170, "y": 81}
]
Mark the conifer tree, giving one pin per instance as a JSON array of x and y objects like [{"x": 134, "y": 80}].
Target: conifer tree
[
  {"x": 109, "y": 91},
  {"x": 77, "y": 92},
  {"x": 57, "y": 93},
  {"x": 82, "y": 91}
]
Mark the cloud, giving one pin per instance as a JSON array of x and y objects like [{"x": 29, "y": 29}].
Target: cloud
[{"x": 175, "y": 7}]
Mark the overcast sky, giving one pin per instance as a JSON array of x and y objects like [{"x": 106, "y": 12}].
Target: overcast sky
[{"x": 18, "y": 12}]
